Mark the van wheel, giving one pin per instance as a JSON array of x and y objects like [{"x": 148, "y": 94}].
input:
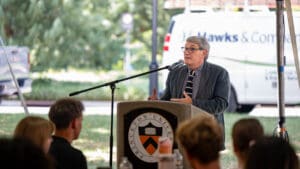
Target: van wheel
[
  {"x": 232, "y": 105},
  {"x": 245, "y": 108}
]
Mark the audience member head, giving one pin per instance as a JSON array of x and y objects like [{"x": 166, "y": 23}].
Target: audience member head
[
  {"x": 36, "y": 129},
  {"x": 66, "y": 114},
  {"x": 244, "y": 133},
  {"x": 201, "y": 139},
  {"x": 272, "y": 153},
  {"x": 19, "y": 153}
]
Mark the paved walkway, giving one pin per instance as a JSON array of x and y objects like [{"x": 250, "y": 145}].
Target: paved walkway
[
  {"x": 272, "y": 111},
  {"x": 104, "y": 108},
  {"x": 91, "y": 107}
]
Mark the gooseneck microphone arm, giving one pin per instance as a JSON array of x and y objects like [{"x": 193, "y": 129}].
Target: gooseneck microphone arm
[
  {"x": 112, "y": 85},
  {"x": 117, "y": 81}
]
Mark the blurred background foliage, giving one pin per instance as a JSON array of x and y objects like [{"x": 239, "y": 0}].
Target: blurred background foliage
[{"x": 79, "y": 34}]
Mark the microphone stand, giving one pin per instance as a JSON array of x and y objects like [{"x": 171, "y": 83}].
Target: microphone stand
[
  {"x": 280, "y": 131},
  {"x": 112, "y": 85}
]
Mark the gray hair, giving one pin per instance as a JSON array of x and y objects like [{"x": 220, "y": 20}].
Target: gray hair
[{"x": 201, "y": 41}]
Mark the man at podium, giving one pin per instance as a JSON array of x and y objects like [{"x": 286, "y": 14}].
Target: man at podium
[{"x": 198, "y": 82}]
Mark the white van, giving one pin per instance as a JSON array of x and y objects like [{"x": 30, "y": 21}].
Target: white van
[
  {"x": 19, "y": 59},
  {"x": 244, "y": 43}
]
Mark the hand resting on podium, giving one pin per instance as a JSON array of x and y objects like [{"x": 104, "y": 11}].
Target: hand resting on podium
[{"x": 186, "y": 99}]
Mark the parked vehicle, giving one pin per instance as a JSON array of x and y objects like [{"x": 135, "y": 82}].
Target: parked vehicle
[
  {"x": 19, "y": 59},
  {"x": 244, "y": 43}
]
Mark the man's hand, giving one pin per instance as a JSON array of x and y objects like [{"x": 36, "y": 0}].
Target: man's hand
[
  {"x": 154, "y": 95},
  {"x": 186, "y": 99}
]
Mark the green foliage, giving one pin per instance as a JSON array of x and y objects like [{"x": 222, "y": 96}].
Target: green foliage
[
  {"x": 81, "y": 34},
  {"x": 48, "y": 89}
]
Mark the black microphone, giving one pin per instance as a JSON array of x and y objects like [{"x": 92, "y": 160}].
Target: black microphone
[{"x": 176, "y": 65}]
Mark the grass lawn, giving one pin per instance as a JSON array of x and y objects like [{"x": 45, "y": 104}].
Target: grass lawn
[{"x": 94, "y": 138}]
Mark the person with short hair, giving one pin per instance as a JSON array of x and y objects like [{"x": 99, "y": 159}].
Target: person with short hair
[
  {"x": 201, "y": 139},
  {"x": 198, "y": 82},
  {"x": 245, "y": 132},
  {"x": 36, "y": 129},
  {"x": 67, "y": 115}
]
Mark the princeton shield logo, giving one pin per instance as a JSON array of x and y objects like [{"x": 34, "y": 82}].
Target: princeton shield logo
[
  {"x": 149, "y": 136},
  {"x": 144, "y": 132}
]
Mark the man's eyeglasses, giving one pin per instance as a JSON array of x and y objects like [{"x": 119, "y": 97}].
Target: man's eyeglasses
[{"x": 184, "y": 49}]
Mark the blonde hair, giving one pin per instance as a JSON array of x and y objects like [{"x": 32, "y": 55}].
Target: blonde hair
[{"x": 34, "y": 128}]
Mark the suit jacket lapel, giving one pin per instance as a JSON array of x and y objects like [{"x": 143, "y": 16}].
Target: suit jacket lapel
[
  {"x": 204, "y": 82},
  {"x": 182, "y": 76}
]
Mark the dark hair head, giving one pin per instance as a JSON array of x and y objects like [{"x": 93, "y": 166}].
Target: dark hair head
[
  {"x": 22, "y": 153},
  {"x": 201, "y": 137},
  {"x": 272, "y": 153},
  {"x": 63, "y": 111},
  {"x": 245, "y": 131}
]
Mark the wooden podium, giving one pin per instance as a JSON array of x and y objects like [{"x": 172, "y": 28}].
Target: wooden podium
[{"x": 141, "y": 123}]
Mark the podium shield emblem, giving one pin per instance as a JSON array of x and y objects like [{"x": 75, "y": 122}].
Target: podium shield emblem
[{"x": 149, "y": 136}]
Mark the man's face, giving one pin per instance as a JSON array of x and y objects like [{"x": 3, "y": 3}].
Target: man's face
[
  {"x": 193, "y": 55},
  {"x": 78, "y": 124}
]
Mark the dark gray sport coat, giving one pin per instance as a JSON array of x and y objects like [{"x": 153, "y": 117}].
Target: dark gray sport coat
[{"x": 213, "y": 93}]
